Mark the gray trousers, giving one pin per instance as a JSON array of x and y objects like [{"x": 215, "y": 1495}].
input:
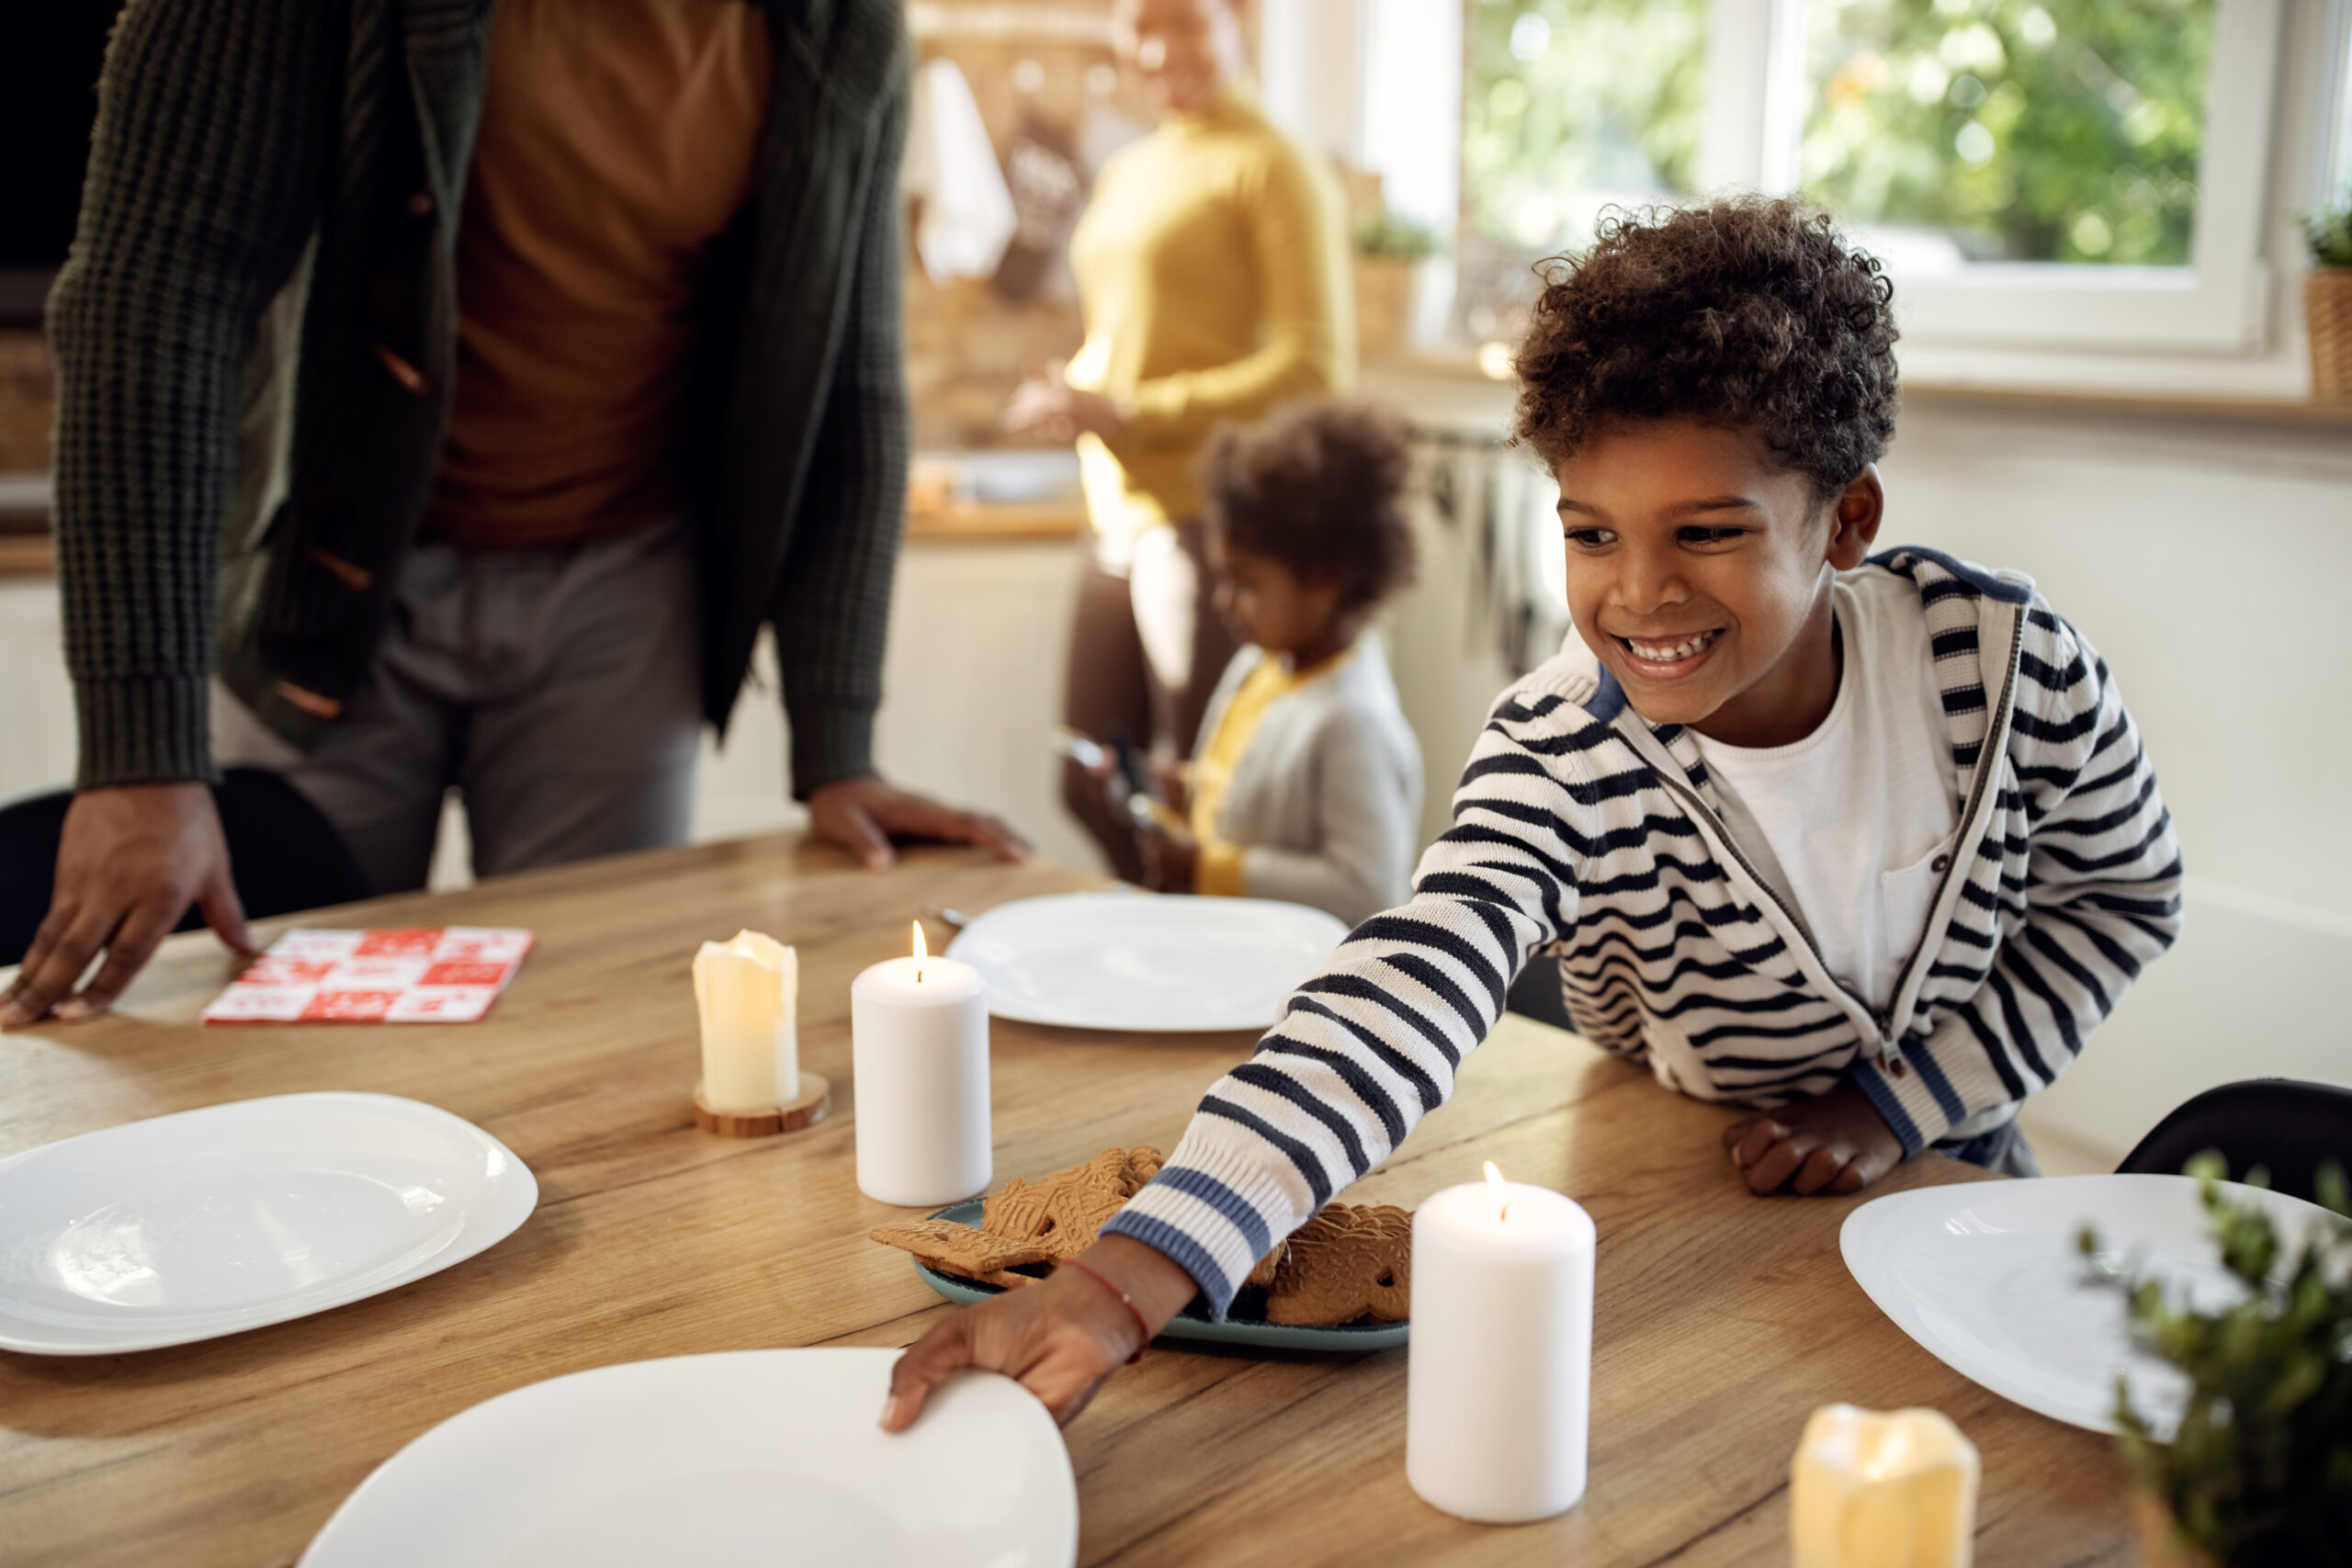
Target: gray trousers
[{"x": 558, "y": 690}]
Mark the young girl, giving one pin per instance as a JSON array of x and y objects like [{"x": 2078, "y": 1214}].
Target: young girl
[{"x": 1306, "y": 784}]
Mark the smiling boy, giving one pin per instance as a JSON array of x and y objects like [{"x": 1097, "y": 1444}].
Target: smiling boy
[{"x": 1866, "y": 843}]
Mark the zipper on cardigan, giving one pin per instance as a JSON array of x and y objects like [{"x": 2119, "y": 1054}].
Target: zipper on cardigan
[{"x": 1988, "y": 766}]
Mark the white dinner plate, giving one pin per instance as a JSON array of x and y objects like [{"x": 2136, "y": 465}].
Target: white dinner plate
[
  {"x": 749, "y": 1457},
  {"x": 1139, "y": 961},
  {"x": 210, "y": 1222},
  {"x": 1985, "y": 1276}
]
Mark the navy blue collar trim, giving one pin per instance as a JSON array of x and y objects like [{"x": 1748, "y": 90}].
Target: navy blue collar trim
[{"x": 1984, "y": 583}]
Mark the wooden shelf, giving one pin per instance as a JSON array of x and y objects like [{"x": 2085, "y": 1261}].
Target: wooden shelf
[
  {"x": 973, "y": 523},
  {"x": 27, "y": 555}
]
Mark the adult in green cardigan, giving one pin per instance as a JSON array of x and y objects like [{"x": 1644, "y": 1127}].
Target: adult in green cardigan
[{"x": 448, "y": 395}]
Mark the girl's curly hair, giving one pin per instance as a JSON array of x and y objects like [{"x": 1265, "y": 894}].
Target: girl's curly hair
[
  {"x": 1749, "y": 311},
  {"x": 1320, "y": 488}
]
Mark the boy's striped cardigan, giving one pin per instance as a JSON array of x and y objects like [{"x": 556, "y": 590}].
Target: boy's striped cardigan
[{"x": 1581, "y": 826}]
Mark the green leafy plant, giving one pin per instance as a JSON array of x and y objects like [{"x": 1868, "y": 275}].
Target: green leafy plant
[
  {"x": 1392, "y": 238},
  {"x": 2329, "y": 232},
  {"x": 2259, "y": 1474}
]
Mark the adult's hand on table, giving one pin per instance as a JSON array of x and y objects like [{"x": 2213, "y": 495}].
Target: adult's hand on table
[
  {"x": 1835, "y": 1144},
  {"x": 861, "y": 814},
  {"x": 1058, "y": 1339},
  {"x": 130, "y": 861}
]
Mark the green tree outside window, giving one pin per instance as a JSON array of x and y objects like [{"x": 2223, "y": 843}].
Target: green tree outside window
[{"x": 2020, "y": 130}]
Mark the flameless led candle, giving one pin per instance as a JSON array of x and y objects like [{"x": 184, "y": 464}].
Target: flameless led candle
[
  {"x": 1868, "y": 1490},
  {"x": 919, "y": 1046},
  {"x": 748, "y": 991},
  {"x": 1498, "y": 1380}
]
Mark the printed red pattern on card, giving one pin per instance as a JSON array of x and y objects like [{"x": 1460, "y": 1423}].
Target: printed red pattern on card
[
  {"x": 446, "y": 974},
  {"x": 419, "y": 975},
  {"x": 349, "y": 1007},
  {"x": 272, "y": 970},
  {"x": 417, "y": 944}
]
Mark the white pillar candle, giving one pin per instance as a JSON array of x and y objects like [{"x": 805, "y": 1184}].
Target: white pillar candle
[
  {"x": 1868, "y": 1490},
  {"x": 1498, "y": 1380},
  {"x": 919, "y": 1041},
  {"x": 748, "y": 991}
]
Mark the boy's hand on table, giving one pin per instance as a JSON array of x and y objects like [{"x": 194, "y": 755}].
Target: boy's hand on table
[
  {"x": 130, "y": 859},
  {"x": 1837, "y": 1143},
  {"x": 1060, "y": 1338},
  {"x": 861, "y": 814}
]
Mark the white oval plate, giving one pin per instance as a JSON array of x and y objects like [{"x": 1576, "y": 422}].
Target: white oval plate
[
  {"x": 212, "y": 1222},
  {"x": 1985, "y": 1276},
  {"x": 1139, "y": 961},
  {"x": 749, "y": 1457}
]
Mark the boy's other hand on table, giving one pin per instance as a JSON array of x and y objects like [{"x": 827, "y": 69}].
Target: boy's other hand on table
[
  {"x": 1058, "y": 1339},
  {"x": 1837, "y": 1143}
]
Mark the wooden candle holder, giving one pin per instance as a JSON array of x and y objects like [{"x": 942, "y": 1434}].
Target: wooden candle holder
[{"x": 804, "y": 1110}]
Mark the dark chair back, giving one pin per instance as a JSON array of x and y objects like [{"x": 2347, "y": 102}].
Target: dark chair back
[
  {"x": 2289, "y": 1128},
  {"x": 1535, "y": 993},
  {"x": 283, "y": 853}
]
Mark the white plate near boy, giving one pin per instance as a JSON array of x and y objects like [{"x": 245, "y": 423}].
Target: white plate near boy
[
  {"x": 1987, "y": 1278},
  {"x": 726, "y": 1460},
  {"x": 1143, "y": 961}
]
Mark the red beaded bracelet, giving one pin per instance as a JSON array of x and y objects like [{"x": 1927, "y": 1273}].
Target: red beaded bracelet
[{"x": 1125, "y": 1300}]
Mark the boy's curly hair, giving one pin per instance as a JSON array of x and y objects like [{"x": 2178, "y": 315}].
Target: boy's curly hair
[
  {"x": 1747, "y": 311},
  {"x": 1320, "y": 488}
]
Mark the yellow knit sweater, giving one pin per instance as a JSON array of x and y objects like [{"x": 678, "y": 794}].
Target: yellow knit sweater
[{"x": 1212, "y": 268}]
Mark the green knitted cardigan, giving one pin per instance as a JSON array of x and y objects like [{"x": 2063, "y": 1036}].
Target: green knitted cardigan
[{"x": 256, "y": 337}]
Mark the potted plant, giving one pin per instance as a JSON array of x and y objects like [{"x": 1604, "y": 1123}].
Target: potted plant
[
  {"x": 2327, "y": 297},
  {"x": 1389, "y": 251},
  {"x": 2259, "y": 1472}
]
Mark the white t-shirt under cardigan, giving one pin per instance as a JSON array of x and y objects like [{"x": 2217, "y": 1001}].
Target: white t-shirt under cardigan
[
  {"x": 1584, "y": 831},
  {"x": 1849, "y": 820}
]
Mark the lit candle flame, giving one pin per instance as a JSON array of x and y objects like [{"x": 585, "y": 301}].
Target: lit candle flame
[
  {"x": 1495, "y": 1183},
  {"x": 921, "y": 952}
]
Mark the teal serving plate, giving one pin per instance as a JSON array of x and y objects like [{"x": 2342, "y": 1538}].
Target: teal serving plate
[{"x": 1188, "y": 1323}]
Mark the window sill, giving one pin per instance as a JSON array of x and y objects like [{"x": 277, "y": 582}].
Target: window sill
[{"x": 1405, "y": 377}]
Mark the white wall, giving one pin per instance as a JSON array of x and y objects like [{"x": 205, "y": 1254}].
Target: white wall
[{"x": 35, "y": 703}]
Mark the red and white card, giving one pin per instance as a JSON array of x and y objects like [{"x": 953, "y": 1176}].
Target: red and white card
[{"x": 435, "y": 975}]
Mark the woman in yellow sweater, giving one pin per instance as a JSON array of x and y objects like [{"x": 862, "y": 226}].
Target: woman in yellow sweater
[{"x": 1211, "y": 268}]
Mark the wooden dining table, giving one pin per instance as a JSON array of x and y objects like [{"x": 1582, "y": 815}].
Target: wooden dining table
[{"x": 1722, "y": 1319}]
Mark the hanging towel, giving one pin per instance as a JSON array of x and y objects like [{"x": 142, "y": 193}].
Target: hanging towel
[{"x": 965, "y": 219}]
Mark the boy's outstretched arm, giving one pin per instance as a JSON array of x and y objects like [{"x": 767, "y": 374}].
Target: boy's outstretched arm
[
  {"x": 1368, "y": 1045},
  {"x": 2099, "y": 900}
]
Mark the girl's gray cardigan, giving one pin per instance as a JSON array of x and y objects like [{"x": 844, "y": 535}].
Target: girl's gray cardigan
[
  {"x": 1585, "y": 831},
  {"x": 1327, "y": 800}
]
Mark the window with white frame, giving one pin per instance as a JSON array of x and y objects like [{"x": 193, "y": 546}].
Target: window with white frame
[{"x": 2051, "y": 173}]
